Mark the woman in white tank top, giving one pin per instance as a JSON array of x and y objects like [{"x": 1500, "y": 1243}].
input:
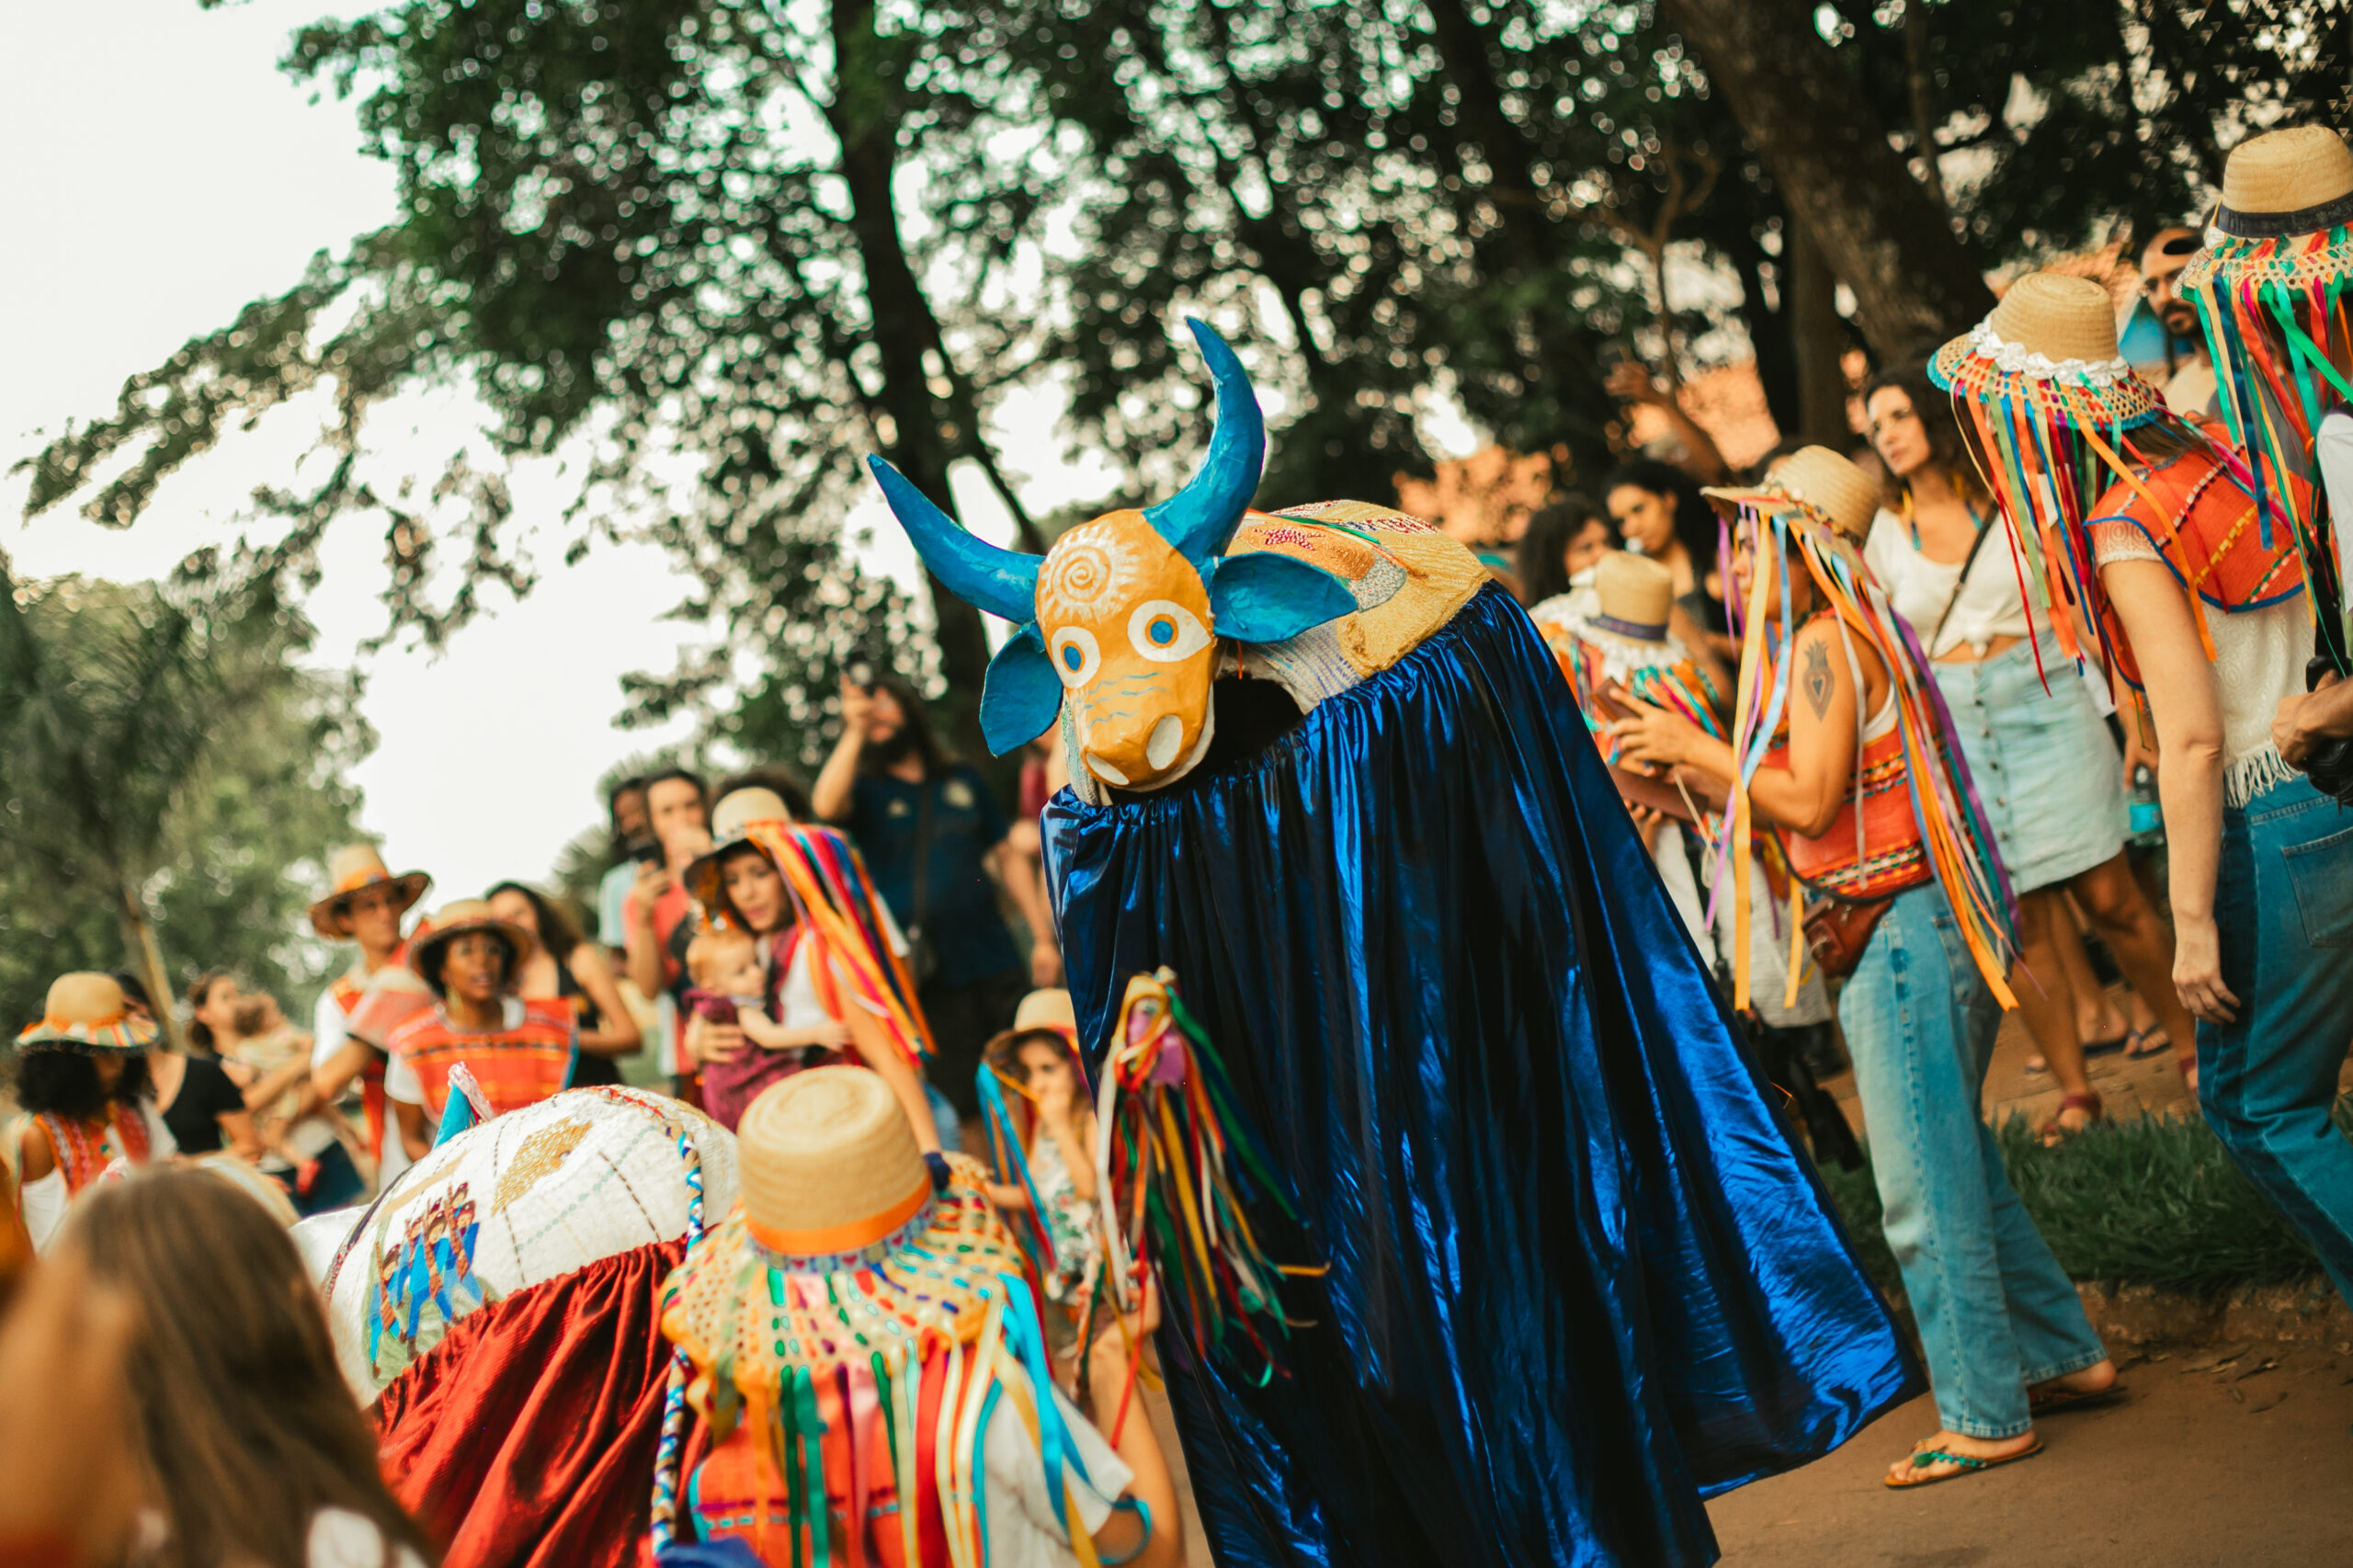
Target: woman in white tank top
[{"x": 2041, "y": 760}]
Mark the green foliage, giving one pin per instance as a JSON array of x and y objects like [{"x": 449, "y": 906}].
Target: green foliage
[
  {"x": 716, "y": 252},
  {"x": 164, "y": 755},
  {"x": 2155, "y": 1201},
  {"x": 2152, "y": 1201}
]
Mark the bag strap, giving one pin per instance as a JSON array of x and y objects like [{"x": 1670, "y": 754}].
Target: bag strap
[{"x": 1960, "y": 584}]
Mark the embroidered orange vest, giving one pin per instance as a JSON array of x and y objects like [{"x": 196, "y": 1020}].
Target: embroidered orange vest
[
  {"x": 515, "y": 1067},
  {"x": 2208, "y": 531},
  {"x": 83, "y": 1152},
  {"x": 1887, "y": 857}
]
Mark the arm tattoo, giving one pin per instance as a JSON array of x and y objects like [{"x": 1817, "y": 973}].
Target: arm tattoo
[{"x": 1818, "y": 684}]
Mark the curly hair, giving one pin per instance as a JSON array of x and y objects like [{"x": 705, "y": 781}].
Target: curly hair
[
  {"x": 65, "y": 1083},
  {"x": 1543, "y": 573}
]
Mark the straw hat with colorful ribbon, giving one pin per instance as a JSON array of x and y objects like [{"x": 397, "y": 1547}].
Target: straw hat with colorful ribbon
[
  {"x": 845, "y": 1297},
  {"x": 2270, "y": 288},
  {"x": 1814, "y": 508},
  {"x": 86, "y": 1012},
  {"x": 452, "y": 921},
  {"x": 2053, "y": 440},
  {"x": 351, "y": 869}
]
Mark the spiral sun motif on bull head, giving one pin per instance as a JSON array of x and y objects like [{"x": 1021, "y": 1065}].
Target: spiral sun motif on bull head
[{"x": 1086, "y": 573}]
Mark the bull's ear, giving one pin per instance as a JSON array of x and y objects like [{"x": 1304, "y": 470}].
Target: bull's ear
[
  {"x": 1259, "y": 596},
  {"x": 1022, "y": 695}
]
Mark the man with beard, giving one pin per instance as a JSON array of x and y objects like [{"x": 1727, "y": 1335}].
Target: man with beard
[
  {"x": 2189, "y": 390},
  {"x": 656, "y": 914},
  {"x": 633, "y": 842},
  {"x": 934, "y": 838}
]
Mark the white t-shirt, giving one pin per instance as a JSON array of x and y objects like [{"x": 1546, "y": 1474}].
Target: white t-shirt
[{"x": 1024, "y": 1531}]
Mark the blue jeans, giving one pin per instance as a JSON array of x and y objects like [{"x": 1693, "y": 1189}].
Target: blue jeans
[
  {"x": 2283, "y": 905},
  {"x": 1994, "y": 1312}
]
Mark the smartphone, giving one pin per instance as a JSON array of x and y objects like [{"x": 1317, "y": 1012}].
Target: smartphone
[
  {"x": 859, "y": 669},
  {"x": 648, "y": 853}
]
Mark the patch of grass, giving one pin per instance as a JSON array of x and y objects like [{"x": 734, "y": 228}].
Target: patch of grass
[{"x": 2155, "y": 1201}]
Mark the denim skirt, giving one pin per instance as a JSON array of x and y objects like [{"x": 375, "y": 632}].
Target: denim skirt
[{"x": 2045, "y": 767}]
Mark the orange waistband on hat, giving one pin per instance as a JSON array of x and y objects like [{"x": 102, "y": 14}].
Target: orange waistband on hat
[
  {"x": 69, "y": 1024},
  {"x": 852, "y": 1236}
]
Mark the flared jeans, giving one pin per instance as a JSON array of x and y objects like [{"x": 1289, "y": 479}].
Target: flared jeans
[{"x": 1994, "y": 1312}]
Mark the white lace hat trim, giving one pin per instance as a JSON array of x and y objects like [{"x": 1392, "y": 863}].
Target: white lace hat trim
[{"x": 2020, "y": 360}]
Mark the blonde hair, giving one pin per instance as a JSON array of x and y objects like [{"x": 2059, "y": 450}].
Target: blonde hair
[{"x": 708, "y": 950}]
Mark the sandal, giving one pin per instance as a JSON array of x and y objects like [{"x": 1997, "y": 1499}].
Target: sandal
[
  {"x": 2141, "y": 1044},
  {"x": 1964, "y": 1464},
  {"x": 2041, "y": 1402},
  {"x": 2055, "y": 1132},
  {"x": 2108, "y": 1047}
]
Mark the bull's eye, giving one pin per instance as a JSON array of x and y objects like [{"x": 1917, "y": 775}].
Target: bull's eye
[
  {"x": 1164, "y": 631},
  {"x": 1075, "y": 656}
]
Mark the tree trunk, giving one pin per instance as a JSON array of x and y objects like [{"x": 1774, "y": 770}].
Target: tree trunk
[
  {"x": 1923, "y": 85},
  {"x": 1810, "y": 300},
  {"x": 1769, "y": 336},
  {"x": 151, "y": 964},
  {"x": 923, "y": 439},
  {"x": 1914, "y": 282}
]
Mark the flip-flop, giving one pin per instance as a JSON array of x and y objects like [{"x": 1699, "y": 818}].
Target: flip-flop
[
  {"x": 2139, "y": 1047},
  {"x": 1927, "y": 1459},
  {"x": 2043, "y": 1402}
]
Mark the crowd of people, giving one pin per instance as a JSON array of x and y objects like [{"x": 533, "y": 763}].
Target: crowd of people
[{"x": 1876, "y": 715}]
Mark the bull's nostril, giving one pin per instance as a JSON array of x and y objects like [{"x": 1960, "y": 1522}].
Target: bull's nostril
[
  {"x": 1161, "y": 749},
  {"x": 1104, "y": 770}
]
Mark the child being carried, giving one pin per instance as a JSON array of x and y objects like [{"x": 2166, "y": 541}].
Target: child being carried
[{"x": 733, "y": 986}]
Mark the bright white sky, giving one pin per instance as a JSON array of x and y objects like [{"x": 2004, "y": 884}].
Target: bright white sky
[{"x": 162, "y": 173}]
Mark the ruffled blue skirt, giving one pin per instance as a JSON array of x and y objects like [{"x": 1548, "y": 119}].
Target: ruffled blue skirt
[{"x": 1578, "y": 1279}]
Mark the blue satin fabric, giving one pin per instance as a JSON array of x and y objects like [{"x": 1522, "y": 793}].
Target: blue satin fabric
[{"x": 1579, "y": 1279}]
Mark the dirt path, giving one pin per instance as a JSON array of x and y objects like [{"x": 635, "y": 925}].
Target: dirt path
[{"x": 2236, "y": 1466}]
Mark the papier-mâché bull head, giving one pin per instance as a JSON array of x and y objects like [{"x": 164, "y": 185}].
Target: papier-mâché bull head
[{"x": 1121, "y": 618}]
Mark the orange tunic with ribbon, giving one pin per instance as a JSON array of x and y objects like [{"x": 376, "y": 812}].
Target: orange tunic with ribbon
[
  {"x": 349, "y": 987},
  {"x": 516, "y": 1066}
]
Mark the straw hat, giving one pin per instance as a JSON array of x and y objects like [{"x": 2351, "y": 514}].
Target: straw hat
[
  {"x": 1042, "y": 1012},
  {"x": 839, "y": 1250},
  {"x": 1815, "y": 480},
  {"x": 1636, "y": 594},
  {"x": 731, "y": 828},
  {"x": 2287, "y": 202},
  {"x": 452, "y": 921},
  {"x": 86, "y": 1011},
  {"x": 2297, "y": 181},
  {"x": 2050, "y": 346},
  {"x": 350, "y": 869}
]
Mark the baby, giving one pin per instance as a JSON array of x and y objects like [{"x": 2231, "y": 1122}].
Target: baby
[{"x": 730, "y": 988}]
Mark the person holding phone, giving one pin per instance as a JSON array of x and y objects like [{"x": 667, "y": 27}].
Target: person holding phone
[{"x": 935, "y": 841}]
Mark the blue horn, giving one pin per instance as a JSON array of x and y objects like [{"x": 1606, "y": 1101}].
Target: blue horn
[
  {"x": 1002, "y": 582},
  {"x": 1198, "y": 519}
]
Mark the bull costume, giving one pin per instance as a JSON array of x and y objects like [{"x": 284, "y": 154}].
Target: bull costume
[{"x": 1574, "y": 1278}]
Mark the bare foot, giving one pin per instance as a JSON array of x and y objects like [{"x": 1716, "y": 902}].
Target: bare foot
[{"x": 1904, "y": 1471}]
